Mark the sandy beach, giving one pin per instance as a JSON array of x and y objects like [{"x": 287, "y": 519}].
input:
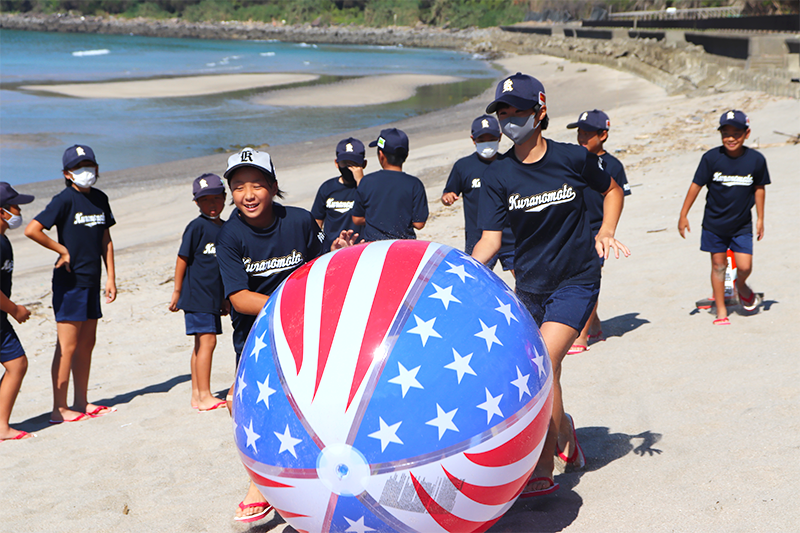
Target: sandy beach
[{"x": 686, "y": 426}]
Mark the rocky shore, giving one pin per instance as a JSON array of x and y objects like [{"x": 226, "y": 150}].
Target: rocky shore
[{"x": 677, "y": 67}]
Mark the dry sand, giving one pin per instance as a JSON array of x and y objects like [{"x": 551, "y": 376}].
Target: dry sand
[
  {"x": 686, "y": 426},
  {"x": 371, "y": 90},
  {"x": 173, "y": 87}
]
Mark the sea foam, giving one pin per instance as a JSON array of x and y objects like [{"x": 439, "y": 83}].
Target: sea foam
[{"x": 83, "y": 53}]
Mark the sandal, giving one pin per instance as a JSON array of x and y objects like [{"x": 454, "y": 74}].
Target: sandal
[
  {"x": 253, "y": 517},
  {"x": 574, "y": 462}
]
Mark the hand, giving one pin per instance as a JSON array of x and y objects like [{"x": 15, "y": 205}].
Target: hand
[
  {"x": 173, "y": 302},
  {"x": 345, "y": 239},
  {"x": 63, "y": 260},
  {"x": 111, "y": 291},
  {"x": 225, "y": 310},
  {"x": 759, "y": 229},
  {"x": 449, "y": 198},
  {"x": 358, "y": 172},
  {"x": 22, "y": 314},
  {"x": 605, "y": 243},
  {"x": 683, "y": 226}
]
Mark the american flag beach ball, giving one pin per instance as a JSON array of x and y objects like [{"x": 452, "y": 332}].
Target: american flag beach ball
[{"x": 395, "y": 386}]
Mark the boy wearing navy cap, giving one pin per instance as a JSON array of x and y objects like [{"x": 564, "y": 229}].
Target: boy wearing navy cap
[
  {"x": 538, "y": 187},
  {"x": 593, "y": 129},
  {"x": 82, "y": 216},
  {"x": 735, "y": 176},
  {"x": 258, "y": 247},
  {"x": 198, "y": 286},
  {"x": 465, "y": 180},
  {"x": 336, "y": 196},
  {"x": 12, "y": 355},
  {"x": 390, "y": 204}
]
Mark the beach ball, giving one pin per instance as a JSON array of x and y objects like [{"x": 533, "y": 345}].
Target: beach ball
[{"x": 393, "y": 386}]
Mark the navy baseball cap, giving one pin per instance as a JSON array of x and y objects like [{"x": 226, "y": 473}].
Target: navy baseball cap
[
  {"x": 206, "y": 185},
  {"x": 734, "y": 118},
  {"x": 350, "y": 150},
  {"x": 594, "y": 120},
  {"x": 520, "y": 91},
  {"x": 250, "y": 157},
  {"x": 76, "y": 154},
  {"x": 391, "y": 141},
  {"x": 485, "y": 124},
  {"x": 8, "y": 196}
]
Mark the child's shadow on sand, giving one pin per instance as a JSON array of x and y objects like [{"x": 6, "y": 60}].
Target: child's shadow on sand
[{"x": 557, "y": 511}]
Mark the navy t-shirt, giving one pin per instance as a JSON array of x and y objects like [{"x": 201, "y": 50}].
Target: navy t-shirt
[
  {"x": 544, "y": 203},
  {"x": 258, "y": 260},
  {"x": 6, "y": 270},
  {"x": 731, "y": 189},
  {"x": 465, "y": 181},
  {"x": 390, "y": 201},
  {"x": 594, "y": 199},
  {"x": 333, "y": 204},
  {"x": 81, "y": 220},
  {"x": 201, "y": 291}
]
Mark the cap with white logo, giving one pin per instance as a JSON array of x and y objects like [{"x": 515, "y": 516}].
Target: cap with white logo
[
  {"x": 76, "y": 154},
  {"x": 350, "y": 150},
  {"x": 392, "y": 141},
  {"x": 594, "y": 120},
  {"x": 485, "y": 124},
  {"x": 734, "y": 118},
  {"x": 520, "y": 91},
  {"x": 250, "y": 157},
  {"x": 206, "y": 185}
]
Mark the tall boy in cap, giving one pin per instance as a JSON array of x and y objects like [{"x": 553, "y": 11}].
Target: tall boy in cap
[
  {"x": 735, "y": 176},
  {"x": 258, "y": 247},
  {"x": 336, "y": 196},
  {"x": 198, "y": 286},
  {"x": 12, "y": 355},
  {"x": 465, "y": 180},
  {"x": 593, "y": 129},
  {"x": 390, "y": 204},
  {"x": 82, "y": 217}
]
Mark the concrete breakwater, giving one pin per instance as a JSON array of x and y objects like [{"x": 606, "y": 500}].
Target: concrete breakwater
[{"x": 679, "y": 67}]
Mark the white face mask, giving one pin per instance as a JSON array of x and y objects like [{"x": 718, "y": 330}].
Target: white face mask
[
  {"x": 84, "y": 177},
  {"x": 15, "y": 221},
  {"x": 487, "y": 150}
]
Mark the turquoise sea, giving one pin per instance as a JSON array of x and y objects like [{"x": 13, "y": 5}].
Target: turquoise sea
[{"x": 35, "y": 128}]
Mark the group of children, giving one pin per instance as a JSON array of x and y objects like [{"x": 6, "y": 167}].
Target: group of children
[{"x": 546, "y": 210}]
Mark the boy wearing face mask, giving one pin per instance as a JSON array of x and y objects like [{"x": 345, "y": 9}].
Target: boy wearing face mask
[
  {"x": 465, "y": 180},
  {"x": 335, "y": 197},
  {"x": 390, "y": 204},
  {"x": 198, "y": 286},
  {"x": 82, "y": 217},
  {"x": 12, "y": 355}
]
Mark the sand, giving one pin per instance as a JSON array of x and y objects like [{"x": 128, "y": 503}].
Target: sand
[
  {"x": 370, "y": 90},
  {"x": 173, "y": 87},
  {"x": 686, "y": 426}
]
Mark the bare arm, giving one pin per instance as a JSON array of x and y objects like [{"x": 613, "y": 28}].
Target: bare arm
[
  {"x": 449, "y": 198},
  {"x": 35, "y": 231},
  {"x": 418, "y": 225},
  {"x": 319, "y": 222},
  {"x": 248, "y": 302},
  {"x": 761, "y": 194},
  {"x": 180, "y": 271},
  {"x": 359, "y": 221},
  {"x": 691, "y": 196},
  {"x": 488, "y": 246},
  {"x": 612, "y": 209},
  {"x": 19, "y": 312},
  {"x": 108, "y": 259}
]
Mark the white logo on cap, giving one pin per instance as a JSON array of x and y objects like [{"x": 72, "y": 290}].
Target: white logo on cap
[
  {"x": 348, "y": 147},
  {"x": 584, "y": 116},
  {"x": 731, "y": 115},
  {"x": 484, "y": 123},
  {"x": 247, "y": 156},
  {"x": 80, "y": 151},
  {"x": 203, "y": 183},
  {"x": 508, "y": 85},
  {"x": 381, "y": 142}
]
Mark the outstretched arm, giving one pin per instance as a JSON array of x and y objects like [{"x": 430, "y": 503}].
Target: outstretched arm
[
  {"x": 691, "y": 196},
  {"x": 761, "y": 194},
  {"x": 19, "y": 312},
  {"x": 488, "y": 246},
  {"x": 612, "y": 209}
]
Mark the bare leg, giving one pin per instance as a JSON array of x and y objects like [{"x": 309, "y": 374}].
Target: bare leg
[
  {"x": 558, "y": 338},
  {"x": 592, "y": 327},
  {"x": 10, "y": 384},
  {"x": 193, "y": 366},
  {"x": 744, "y": 267},
  {"x": 201, "y": 369},
  {"x": 719, "y": 264},
  {"x": 81, "y": 365},
  {"x": 66, "y": 346}
]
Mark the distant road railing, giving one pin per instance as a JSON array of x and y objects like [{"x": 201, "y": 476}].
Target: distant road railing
[{"x": 671, "y": 13}]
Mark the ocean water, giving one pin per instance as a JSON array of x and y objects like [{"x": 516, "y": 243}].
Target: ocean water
[{"x": 35, "y": 128}]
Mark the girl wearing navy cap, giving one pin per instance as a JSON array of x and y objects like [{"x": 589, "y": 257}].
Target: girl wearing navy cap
[
  {"x": 538, "y": 187},
  {"x": 82, "y": 217}
]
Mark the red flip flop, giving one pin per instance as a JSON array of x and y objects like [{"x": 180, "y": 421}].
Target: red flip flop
[
  {"x": 253, "y": 517},
  {"x": 577, "y": 460},
  {"x": 94, "y": 413},
  {"x": 722, "y": 322},
  {"x": 20, "y": 435},
  {"x": 577, "y": 348},
  {"x": 78, "y": 418},
  {"x": 215, "y": 406},
  {"x": 552, "y": 487}
]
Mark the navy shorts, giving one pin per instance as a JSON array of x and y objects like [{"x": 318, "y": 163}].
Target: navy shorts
[
  {"x": 713, "y": 243},
  {"x": 10, "y": 347},
  {"x": 77, "y": 304},
  {"x": 506, "y": 261},
  {"x": 197, "y": 323},
  {"x": 570, "y": 305}
]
